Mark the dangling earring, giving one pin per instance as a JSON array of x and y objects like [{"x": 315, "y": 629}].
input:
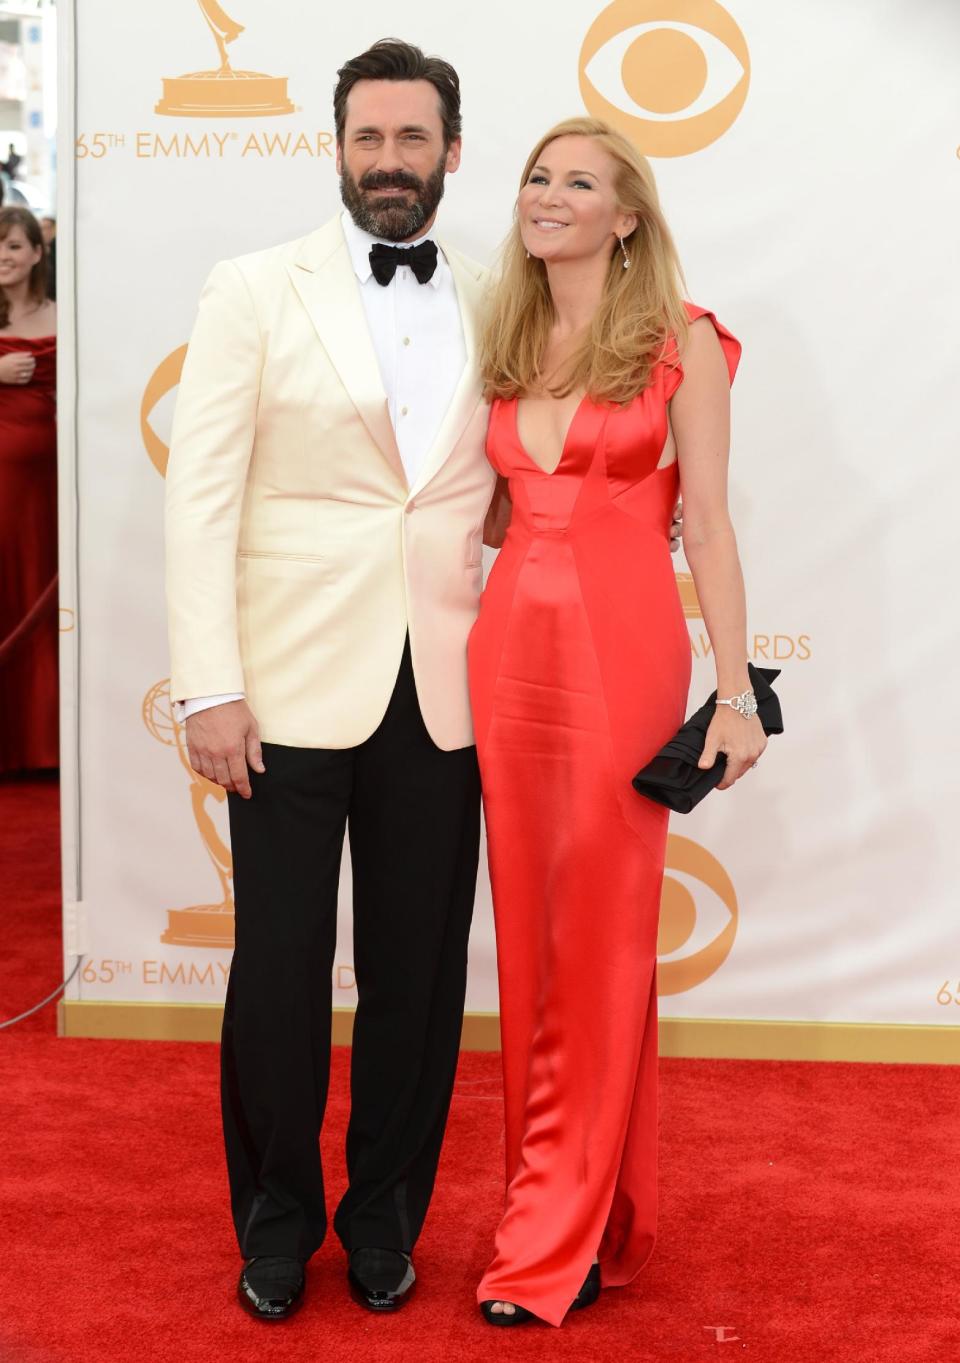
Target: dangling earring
[
  {"x": 626, "y": 258},
  {"x": 528, "y": 255}
]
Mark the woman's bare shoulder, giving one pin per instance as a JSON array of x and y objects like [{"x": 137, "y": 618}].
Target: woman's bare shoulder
[
  {"x": 701, "y": 339},
  {"x": 701, "y": 356}
]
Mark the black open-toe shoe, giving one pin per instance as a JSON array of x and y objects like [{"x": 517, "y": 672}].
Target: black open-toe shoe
[
  {"x": 590, "y": 1290},
  {"x": 587, "y": 1295},
  {"x": 519, "y": 1316}
]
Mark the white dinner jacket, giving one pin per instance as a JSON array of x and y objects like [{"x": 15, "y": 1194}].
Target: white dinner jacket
[{"x": 298, "y": 559}]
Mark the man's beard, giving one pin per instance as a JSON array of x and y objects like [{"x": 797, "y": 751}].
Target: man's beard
[{"x": 390, "y": 218}]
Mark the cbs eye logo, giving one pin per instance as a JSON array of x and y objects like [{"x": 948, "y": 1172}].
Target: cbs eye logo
[
  {"x": 672, "y": 75},
  {"x": 162, "y": 381},
  {"x": 698, "y": 910}
]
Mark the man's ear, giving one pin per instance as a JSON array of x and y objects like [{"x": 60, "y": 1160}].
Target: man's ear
[{"x": 453, "y": 155}]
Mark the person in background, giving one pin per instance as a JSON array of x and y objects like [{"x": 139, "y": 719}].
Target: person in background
[
  {"x": 28, "y": 499},
  {"x": 12, "y": 164},
  {"x": 48, "y": 226}
]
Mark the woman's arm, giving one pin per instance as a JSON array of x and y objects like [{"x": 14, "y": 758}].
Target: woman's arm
[{"x": 700, "y": 415}]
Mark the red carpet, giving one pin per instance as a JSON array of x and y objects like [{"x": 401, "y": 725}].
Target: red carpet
[
  {"x": 811, "y": 1210},
  {"x": 31, "y": 965}
]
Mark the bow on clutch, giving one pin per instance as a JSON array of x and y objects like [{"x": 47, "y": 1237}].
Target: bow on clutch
[{"x": 673, "y": 778}]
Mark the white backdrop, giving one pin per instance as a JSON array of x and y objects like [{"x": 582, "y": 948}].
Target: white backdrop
[{"x": 815, "y": 206}]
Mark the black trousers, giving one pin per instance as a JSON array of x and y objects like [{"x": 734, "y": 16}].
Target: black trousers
[{"x": 414, "y": 818}]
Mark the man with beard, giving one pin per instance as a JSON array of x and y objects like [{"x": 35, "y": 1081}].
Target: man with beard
[{"x": 326, "y": 496}]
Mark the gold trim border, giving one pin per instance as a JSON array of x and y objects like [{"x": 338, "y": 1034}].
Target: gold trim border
[
  {"x": 201, "y": 1022},
  {"x": 889, "y": 1043},
  {"x": 705, "y": 1038}
]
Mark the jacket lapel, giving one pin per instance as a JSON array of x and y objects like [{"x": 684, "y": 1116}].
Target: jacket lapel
[
  {"x": 470, "y": 289},
  {"x": 323, "y": 276}
]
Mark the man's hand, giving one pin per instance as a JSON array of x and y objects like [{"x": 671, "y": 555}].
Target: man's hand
[
  {"x": 221, "y": 742},
  {"x": 676, "y": 527}
]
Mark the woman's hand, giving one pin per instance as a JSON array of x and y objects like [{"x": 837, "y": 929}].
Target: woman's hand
[
  {"x": 676, "y": 527},
  {"x": 17, "y": 367},
  {"x": 743, "y": 740}
]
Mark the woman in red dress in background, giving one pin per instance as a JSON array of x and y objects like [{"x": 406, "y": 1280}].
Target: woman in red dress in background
[
  {"x": 28, "y": 498},
  {"x": 608, "y": 393}
]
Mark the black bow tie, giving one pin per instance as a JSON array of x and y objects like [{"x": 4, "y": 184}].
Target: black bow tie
[{"x": 422, "y": 260}]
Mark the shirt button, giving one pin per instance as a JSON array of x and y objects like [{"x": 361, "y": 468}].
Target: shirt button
[
  {"x": 406, "y": 340},
  {"x": 403, "y": 411}
]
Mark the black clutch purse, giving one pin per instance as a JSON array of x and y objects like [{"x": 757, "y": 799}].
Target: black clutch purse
[{"x": 673, "y": 778}]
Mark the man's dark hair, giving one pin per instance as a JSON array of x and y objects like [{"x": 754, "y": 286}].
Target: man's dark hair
[{"x": 392, "y": 59}]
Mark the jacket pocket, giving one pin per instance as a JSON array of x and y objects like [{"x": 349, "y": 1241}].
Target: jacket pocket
[{"x": 306, "y": 567}]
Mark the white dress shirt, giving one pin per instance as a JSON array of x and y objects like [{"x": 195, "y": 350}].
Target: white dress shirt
[{"x": 418, "y": 338}]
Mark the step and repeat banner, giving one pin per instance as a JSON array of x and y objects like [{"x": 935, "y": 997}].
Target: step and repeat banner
[{"x": 808, "y": 162}]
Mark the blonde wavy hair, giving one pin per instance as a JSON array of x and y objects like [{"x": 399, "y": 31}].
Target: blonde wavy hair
[{"x": 641, "y": 308}]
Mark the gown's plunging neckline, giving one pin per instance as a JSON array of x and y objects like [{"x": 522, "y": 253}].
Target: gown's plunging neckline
[{"x": 547, "y": 473}]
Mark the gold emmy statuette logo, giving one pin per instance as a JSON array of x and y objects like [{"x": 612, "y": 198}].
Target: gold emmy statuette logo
[
  {"x": 672, "y": 75},
  {"x": 162, "y": 381},
  {"x": 224, "y": 93},
  {"x": 688, "y": 596},
  {"x": 203, "y": 925},
  {"x": 678, "y": 917}
]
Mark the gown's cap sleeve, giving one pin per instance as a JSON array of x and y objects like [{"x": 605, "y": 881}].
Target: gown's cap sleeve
[{"x": 728, "y": 343}]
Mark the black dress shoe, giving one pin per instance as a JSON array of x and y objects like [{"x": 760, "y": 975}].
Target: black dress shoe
[
  {"x": 590, "y": 1290},
  {"x": 381, "y": 1279},
  {"x": 271, "y": 1288}
]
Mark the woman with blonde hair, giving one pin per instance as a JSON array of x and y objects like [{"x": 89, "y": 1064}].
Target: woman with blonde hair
[{"x": 608, "y": 393}]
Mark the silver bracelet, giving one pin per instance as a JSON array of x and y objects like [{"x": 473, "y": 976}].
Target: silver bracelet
[{"x": 745, "y": 704}]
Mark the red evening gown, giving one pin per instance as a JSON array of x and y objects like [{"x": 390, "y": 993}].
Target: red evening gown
[
  {"x": 579, "y": 671},
  {"x": 28, "y": 559}
]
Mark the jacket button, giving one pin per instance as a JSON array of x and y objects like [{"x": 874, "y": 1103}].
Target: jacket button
[{"x": 408, "y": 508}]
